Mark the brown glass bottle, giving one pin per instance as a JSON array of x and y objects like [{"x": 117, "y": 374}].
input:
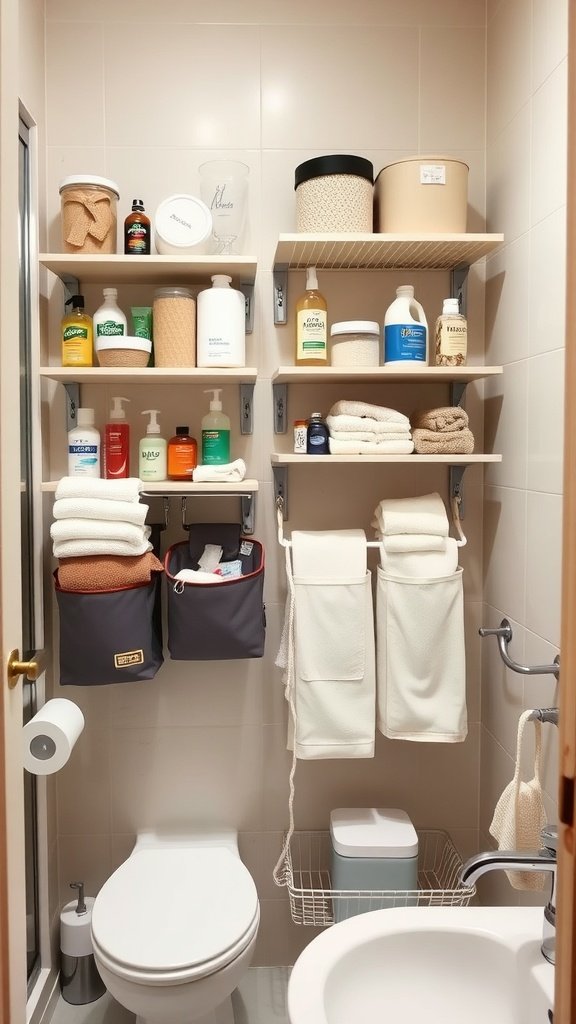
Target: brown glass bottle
[
  {"x": 137, "y": 231},
  {"x": 182, "y": 455}
]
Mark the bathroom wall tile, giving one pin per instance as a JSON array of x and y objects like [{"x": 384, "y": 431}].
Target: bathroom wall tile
[
  {"x": 546, "y": 422},
  {"x": 544, "y": 564},
  {"x": 505, "y": 550},
  {"x": 507, "y": 178},
  {"x": 547, "y": 322},
  {"x": 472, "y": 622},
  {"x": 549, "y": 142},
  {"x": 508, "y": 64},
  {"x": 508, "y": 315},
  {"x": 505, "y": 428},
  {"x": 451, "y": 116},
  {"x": 195, "y": 106},
  {"x": 549, "y": 37},
  {"x": 280, "y": 941},
  {"x": 138, "y": 11},
  {"x": 83, "y": 786},
  {"x": 83, "y": 857},
  {"x": 497, "y": 772},
  {"x": 339, "y": 115},
  {"x": 502, "y": 689},
  {"x": 80, "y": 43}
]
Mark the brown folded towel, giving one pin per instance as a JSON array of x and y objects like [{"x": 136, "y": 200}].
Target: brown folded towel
[
  {"x": 447, "y": 442},
  {"x": 107, "y": 572},
  {"x": 450, "y": 417}
]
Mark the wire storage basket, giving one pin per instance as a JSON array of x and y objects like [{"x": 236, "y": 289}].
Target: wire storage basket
[{"x": 312, "y": 898}]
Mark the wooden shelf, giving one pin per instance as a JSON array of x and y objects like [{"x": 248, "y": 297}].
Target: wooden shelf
[
  {"x": 148, "y": 375},
  {"x": 289, "y": 459},
  {"x": 432, "y": 251},
  {"x": 317, "y": 374},
  {"x": 157, "y": 270},
  {"x": 179, "y": 487}
]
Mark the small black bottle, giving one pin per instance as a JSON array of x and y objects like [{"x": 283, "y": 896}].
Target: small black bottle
[
  {"x": 137, "y": 231},
  {"x": 317, "y": 436}
]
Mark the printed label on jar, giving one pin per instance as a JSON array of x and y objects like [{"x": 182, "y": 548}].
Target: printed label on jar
[{"x": 300, "y": 433}]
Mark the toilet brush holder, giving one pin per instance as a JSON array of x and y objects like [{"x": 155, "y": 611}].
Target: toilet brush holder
[{"x": 79, "y": 979}]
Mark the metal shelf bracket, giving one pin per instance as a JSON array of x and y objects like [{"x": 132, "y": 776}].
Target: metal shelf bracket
[
  {"x": 456, "y": 488},
  {"x": 280, "y": 474},
  {"x": 247, "y": 408},
  {"x": 72, "y": 404},
  {"x": 459, "y": 285},
  {"x": 247, "y": 289},
  {"x": 280, "y": 392},
  {"x": 280, "y": 277}
]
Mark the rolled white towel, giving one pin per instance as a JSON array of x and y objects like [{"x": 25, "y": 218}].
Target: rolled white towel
[
  {"x": 414, "y": 542},
  {"x": 423, "y": 564},
  {"x": 94, "y": 546},
  {"x": 100, "y": 508},
  {"x": 375, "y": 412},
  {"x": 425, "y": 513},
  {"x": 99, "y": 530},
  {"x": 127, "y": 489},
  {"x": 339, "y": 423},
  {"x": 232, "y": 472},
  {"x": 361, "y": 435},
  {"x": 338, "y": 447}
]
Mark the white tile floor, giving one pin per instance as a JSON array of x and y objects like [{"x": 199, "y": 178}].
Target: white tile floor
[{"x": 259, "y": 999}]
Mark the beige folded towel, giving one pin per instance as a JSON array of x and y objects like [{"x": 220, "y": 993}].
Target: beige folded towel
[
  {"x": 339, "y": 447},
  {"x": 107, "y": 572},
  {"x": 375, "y": 412},
  {"x": 447, "y": 418},
  {"x": 435, "y": 442},
  {"x": 342, "y": 424}
]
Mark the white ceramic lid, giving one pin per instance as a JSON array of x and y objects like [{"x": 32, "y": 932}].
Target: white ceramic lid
[
  {"x": 123, "y": 341},
  {"x": 183, "y": 220},
  {"x": 373, "y": 832},
  {"x": 167, "y": 910},
  {"x": 355, "y": 327},
  {"x": 83, "y": 180}
]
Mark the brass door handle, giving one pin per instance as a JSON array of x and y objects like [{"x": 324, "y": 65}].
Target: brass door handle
[{"x": 16, "y": 668}]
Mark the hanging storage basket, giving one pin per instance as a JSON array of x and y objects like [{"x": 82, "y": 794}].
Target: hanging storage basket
[{"x": 216, "y": 621}]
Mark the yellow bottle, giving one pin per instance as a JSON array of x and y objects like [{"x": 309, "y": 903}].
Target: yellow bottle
[
  {"x": 77, "y": 337},
  {"x": 311, "y": 324}
]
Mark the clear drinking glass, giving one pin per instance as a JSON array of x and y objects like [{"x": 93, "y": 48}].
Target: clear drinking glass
[{"x": 224, "y": 188}]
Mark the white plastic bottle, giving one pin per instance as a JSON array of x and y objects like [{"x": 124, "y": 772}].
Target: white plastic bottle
[
  {"x": 152, "y": 450},
  {"x": 405, "y": 330},
  {"x": 84, "y": 446},
  {"x": 109, "y": 320},
  {"x": 221, "y": 331},
  {"x": 215, "y": 432}
]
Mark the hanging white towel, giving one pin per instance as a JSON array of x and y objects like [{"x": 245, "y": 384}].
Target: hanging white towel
[
  {"x": 425, "y": 513},
  {"x": 519, "y": 814},
  {"x": 425, "y": 564},
  {"x": 127, "y": 489},
  {"x": 100, "y": 508}
]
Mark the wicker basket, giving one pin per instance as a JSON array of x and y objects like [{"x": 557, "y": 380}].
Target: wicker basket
[{"x": 307, "y": 877}]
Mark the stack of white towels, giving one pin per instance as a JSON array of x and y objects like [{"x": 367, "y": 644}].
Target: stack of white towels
[
  {"x": 414, "y": 536},
  {"x": 99, "y": 517},
  {"x": 358, "y": 428}
]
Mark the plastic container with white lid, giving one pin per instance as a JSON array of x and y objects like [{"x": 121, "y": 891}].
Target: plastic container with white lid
[
  {"x": 88, "y": 207},
  {"x": 355, "y": 343},
  {"x": 182, "y": 224}
]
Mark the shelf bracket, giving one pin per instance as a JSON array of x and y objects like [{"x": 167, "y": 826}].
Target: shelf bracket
[
  {"x": 72, "y": 403},
  {"x": 456, "y": 488},
  {"x": 246, "y": 408},
  {"x": 247, "y": 289},
  {"x": 459, "y": 285},
  {"x": 280, "y": 474},
  {"x": 280, "y": 277},
  {"x": 248, "y": 502},
  {"x": 71, "y": 286},
  {"x": 457, "y": 390},
  {"x": 280, "y": 392}
]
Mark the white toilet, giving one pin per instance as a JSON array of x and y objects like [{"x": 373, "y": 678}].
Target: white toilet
[{"x": 174, "y": 928}]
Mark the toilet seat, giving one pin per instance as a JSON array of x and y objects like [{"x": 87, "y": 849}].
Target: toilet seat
[{"x": 169, "y": 916}]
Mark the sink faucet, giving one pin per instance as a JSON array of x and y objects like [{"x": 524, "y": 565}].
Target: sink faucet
[{"x": 524, "y": 860}]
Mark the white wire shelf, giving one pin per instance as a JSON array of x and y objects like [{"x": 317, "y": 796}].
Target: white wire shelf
[
  {"x": 431, "y": 251},
  {"x": 312, "y": 898}
]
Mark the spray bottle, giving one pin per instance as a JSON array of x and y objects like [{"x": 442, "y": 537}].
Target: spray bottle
[
  {"x": 215, "y": 432},
  {"x": 117, "y": 443},
  {"x": 152, "y": 463}
]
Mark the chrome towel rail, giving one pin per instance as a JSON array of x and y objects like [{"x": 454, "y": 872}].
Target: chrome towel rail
[
  {"x": 545, "y": 715},
  {"x": 504, "y": 636}
]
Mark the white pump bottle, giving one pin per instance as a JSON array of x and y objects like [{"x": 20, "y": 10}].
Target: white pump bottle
[
  {"x": 152, "y": 451},
  {"x": 221, "y": 337}
]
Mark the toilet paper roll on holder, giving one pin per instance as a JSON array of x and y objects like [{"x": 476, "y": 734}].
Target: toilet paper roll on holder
[{"x": 504, "y": 635}]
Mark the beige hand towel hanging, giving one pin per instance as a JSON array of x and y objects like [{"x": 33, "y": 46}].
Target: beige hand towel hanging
[{"x": 519, "y": 814}]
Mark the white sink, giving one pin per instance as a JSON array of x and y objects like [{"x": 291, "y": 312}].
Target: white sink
[{"x": 426, "y": 965}]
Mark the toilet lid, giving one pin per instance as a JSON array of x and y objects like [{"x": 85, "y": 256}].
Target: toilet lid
[{"x": 172, "y": 909}]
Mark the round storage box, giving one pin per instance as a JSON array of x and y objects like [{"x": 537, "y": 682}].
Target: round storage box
[
  {"x": 355, "y": 343},
  {"x": 88, "y": 209},
  {"x": 182, "y": 223},
  {"x": 422, "y": 193},
  {"x": 174, "y": 319},
  {"x": 123, "y": 351},
  {"x": 334, "y": 194}
]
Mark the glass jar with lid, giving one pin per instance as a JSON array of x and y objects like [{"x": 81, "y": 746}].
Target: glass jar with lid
[
  {"x": 88, "y": 209},
  {"x": 355, "y": 343}
]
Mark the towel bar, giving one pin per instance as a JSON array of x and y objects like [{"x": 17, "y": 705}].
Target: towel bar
[
  {"x": 504, "y": 636},
  {"x": 545, "y": 715}
]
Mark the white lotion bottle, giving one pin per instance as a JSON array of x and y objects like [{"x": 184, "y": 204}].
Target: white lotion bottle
[
  {"x": 84, "y": 446},
  {"x": 221, "y": 330},
  {"x": 109, "y": 321},
  {"x": 152, "y": 451}
]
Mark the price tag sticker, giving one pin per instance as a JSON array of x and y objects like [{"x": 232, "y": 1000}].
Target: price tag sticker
[{"x": 433, "y": 174}]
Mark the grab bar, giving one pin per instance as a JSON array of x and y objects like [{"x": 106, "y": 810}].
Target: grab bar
[
  {"x": 545, "y": 715},
  {"x": 504, "y": 635}
]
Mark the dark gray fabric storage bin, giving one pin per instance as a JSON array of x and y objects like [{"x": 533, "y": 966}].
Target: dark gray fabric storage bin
[
  {"x": 112, "y": 636},
  {"x": 216, "y": 621}
]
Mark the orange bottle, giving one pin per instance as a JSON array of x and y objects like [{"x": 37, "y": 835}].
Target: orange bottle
[{"x": 182, "y": 455}]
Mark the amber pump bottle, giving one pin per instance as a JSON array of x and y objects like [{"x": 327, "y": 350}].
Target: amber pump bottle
[
  {"x": 182, "y": 455},
  {"x": 137, "y": 231},
  {"x": 311, "y": 324}
]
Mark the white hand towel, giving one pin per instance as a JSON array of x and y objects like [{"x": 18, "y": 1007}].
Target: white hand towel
[
  {"x": 339, "y": 423},
  {"x": 232, "y": 472},
  {"x": 99, "y": 530},
  {"x": 313, "y": 553},
  {"x": 414, "y": 542},
  {"x": 90, "y": 487},
  {"x": 423, "y": 514},
  {"x": 100, "y": 508},
  {"x": 93, "y": 546},
  {"x": 519, "y": 814},
  {"x": 367, "y": 435},
  {"x": 374, "y": 412},
  {"x": 338, "y": 447},
  {"x": 423, "y": 564}
]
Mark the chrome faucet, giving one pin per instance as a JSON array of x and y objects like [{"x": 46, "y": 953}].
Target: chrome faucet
[{"x": 524, "y": 860}]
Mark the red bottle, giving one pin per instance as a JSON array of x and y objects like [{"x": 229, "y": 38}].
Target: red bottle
[{"x": 117, "y": 443}]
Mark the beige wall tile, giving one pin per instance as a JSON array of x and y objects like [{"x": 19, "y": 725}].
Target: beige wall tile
[
  {"x": 549, "y": 36},
  {"x": 547, "y": 283},
  {"x": 506, "y": 424},
  {"x": 543, "y": 568},
  {"x": 452, "y": 72},
  {"x": 83, "y": 858},
  {"x": 502, "y": 688},
  {"x": 83, "y": 786},
  {"x": 507, "y": 308},
  {"x": 508, "y": 63},
  {"x": 508, "y": 179},
  {"x": 548, "y": 165},
  {"x": 83, "y": 122},
  {"x": 546, "y": 422},
  {"x": 505, "y": 550}
]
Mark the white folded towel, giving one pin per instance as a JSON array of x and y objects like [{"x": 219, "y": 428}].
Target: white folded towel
[
  {"x": 94, "y": 487},
  {"x": 94, "y": 546},
  {"x": 100, "y": 508},
  {"x": 341, "y": 422},
  {"x": 414, "y": 542},
  {"x": 421, "y": 564},
  {"x": 233, "y": 472},
  {"x": 338, "y": 447},
  {"x": 375, "y": 412},
  {"x": 370, "y": 437},
  {"x": 98, "y": 530},
  {"x": 425, "y": 513}
]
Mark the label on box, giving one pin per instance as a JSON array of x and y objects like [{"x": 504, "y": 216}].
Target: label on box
[{"x": 432, "y": 174}]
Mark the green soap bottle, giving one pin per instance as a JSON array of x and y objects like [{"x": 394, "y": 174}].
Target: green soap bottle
[{"x": 215, "y": 432}]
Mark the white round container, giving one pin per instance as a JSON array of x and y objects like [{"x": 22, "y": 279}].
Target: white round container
[
  {"x": 182, "y": 223},
  {"x": 221, "y": 325},
  {"x": 355, "y": 343}
]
